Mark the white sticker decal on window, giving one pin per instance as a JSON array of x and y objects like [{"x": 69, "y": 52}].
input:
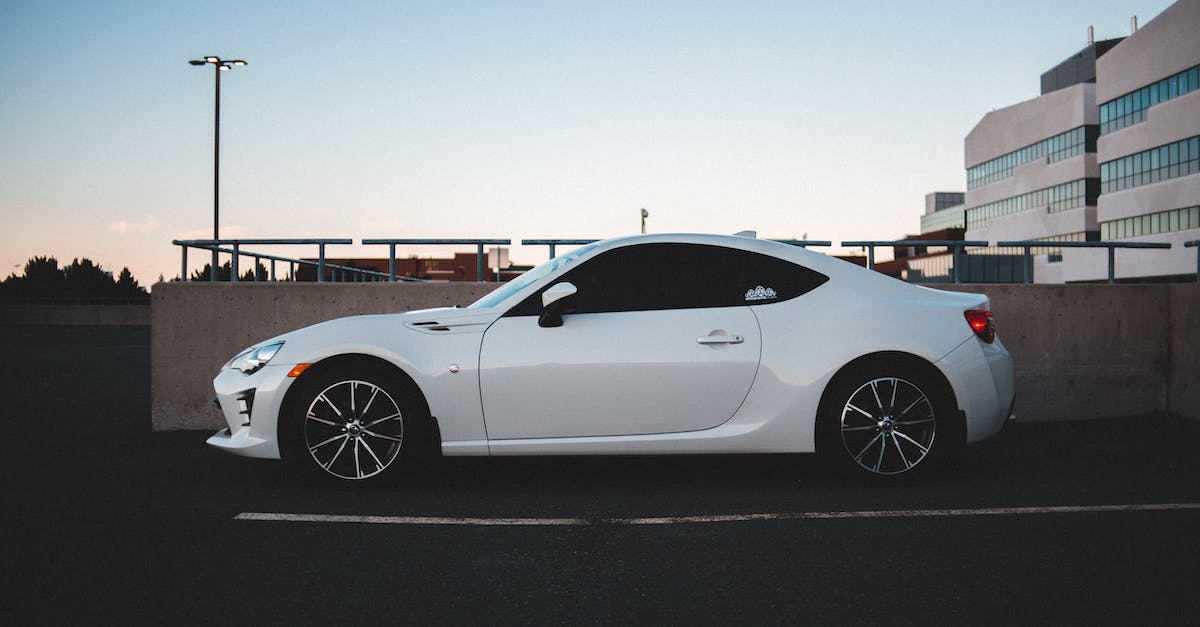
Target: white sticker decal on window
[{"x": 760, "y": 293}]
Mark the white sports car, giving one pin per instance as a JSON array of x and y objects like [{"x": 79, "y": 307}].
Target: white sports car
[{"x": 651, "y": 344}]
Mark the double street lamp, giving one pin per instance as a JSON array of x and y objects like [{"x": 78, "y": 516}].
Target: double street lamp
[{"x": 219, "y": 65}]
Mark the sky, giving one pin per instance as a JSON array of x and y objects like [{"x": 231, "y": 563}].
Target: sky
[{"x": 397, "y": 119}]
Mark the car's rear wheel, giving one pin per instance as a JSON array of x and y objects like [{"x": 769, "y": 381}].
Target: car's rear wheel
[
  {"x": 885, "y": 420},
  {"x": 352, "y": 424}
]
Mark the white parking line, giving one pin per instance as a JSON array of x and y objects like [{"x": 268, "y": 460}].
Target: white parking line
[{"x": 722, "y": 518}]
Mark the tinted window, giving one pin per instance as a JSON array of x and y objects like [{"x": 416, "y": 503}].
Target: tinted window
[{"x": 680, "y": 276}]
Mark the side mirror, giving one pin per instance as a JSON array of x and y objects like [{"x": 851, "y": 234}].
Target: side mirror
[{"x": 556, "y": 301}]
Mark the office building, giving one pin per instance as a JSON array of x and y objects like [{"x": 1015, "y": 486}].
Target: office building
[
  {"x": 1148, "y": 92},
  {"x": 1107, "y": 151},
  {"x": 943, "y": 210}
]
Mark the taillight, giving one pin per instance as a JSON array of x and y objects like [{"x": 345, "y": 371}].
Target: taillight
[{"x": 982, "y": 324}]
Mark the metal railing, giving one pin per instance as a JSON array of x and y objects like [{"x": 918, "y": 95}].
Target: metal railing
[
  {"x": 1027, "y": 271},
  {"x": 554, "y": 243},
  {"x": 337, "y": 272},
  {"x": 236, "y": 253},
  {"x": 478, "y": 243},
  {"x": 957, "y": 248}
]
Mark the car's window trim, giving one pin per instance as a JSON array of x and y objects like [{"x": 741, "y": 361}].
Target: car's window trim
[{"x": 819, "y": 279}]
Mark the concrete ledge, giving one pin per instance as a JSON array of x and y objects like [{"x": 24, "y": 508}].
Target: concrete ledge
[
  {"x": 75, "y": 315},
  {"x": 1184, "y": 349},
  {"x": 1080, "y": 350},
  {"x": 1100, "y": 351}
]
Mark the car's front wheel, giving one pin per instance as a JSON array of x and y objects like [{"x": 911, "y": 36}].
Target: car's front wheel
[
  {"x": 351, "y": 424},
  {"x": 886, "y": 420}
]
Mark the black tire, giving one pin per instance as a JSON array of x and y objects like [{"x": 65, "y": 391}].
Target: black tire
[
  {"x": 886, "y": 419},
  {"x": 353, "y": 422}
]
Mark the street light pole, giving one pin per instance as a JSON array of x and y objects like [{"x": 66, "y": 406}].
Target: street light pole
[
  {"x": 217, "y": 154},
  {"x": 219, "y": 65}
]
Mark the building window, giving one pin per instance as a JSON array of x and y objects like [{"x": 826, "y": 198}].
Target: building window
[
  {"x": 1151, "y": 166},
  {"x": 1070, "y": 195},
  {"x": 949, "y": 218},
  {"x": 1131, "y": 108},
  {"x": 1062, "y": 146},
  {"x": 1151, "y": 224}
]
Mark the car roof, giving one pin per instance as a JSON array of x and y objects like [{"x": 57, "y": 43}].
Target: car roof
[
  {"x": 817, "y": 261},
  {"x": 839, "y": 271}
]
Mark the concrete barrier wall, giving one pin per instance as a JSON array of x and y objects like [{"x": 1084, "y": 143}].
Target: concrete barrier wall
[
  {"x": 75, "y": 315},
  {"x": 1091, "y": 351},
  {"x": 1184, "y": 347},
  {"x": 1081, "y": 351}
]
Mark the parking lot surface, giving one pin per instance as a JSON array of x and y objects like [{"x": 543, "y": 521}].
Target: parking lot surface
[{"x": 105, "y": 522}]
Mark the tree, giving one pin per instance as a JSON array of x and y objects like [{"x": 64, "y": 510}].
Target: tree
[
  {"x": 42, "y": 277},
  {"x": 82, "y": 279},
  {"x": 127, "y": 285},
  {"x": 43, "y": 271},
  {"x": 85, "y": 278},
  {"x": 224, "y": 271}
]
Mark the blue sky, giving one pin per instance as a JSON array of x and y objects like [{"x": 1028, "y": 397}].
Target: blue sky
[{"x": 501, "y": 119}]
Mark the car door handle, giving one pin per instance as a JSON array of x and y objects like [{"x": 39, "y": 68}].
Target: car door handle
[{"x": 720, "y": 339}]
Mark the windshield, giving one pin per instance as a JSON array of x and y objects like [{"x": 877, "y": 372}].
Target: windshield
[{"x": 519, "y": 283}]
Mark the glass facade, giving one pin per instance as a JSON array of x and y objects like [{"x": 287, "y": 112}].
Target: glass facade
[
  {"x": 1070, "y": 195},
  {"x": 1131, "y": 108},
  {"x": 991, "y": 264},
  {"x": 949, "y": 218},
  {"x": 945, "y": 200},
  {"x": 975, "y": 269},
  {"x": 933, "y": 269},
  {"x": 1151, "y": 224},
  {"x": 1062, "y": 146},
  {"x": 1151, "y": 166}
]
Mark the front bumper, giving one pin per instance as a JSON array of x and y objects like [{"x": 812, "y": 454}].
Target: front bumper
[
  {"x": 244, "y": 444},
  {"x": 250, "y": 406}
]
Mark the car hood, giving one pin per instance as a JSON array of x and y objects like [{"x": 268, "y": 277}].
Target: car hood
[
  {"x": 438, "y": 320},
  {"x": 367, "y": 333},
  {"x": 448, "y": 319}
]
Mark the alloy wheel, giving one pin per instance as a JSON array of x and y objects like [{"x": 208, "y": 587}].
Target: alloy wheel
[
  {"x": 353, "y": 429},
  {"x": 888, "y": 426}
]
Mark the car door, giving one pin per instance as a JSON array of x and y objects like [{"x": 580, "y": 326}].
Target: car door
[{"x": 661, "y": 341}]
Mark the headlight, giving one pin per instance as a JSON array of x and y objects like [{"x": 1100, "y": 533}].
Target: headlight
[{"x": 251, "y": 360}]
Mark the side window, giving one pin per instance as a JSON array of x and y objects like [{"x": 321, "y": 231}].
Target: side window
[
  {"x": 640, "y": 278},
  {"x": 680, "y": 276},
  {"x": 765, "y": 280}
]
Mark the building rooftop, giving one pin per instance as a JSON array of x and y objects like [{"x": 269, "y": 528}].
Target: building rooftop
[{"x": 1078, "y": 68}]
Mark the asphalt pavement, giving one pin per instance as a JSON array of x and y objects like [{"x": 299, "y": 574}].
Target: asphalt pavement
[{"x": 107, "y": 523}]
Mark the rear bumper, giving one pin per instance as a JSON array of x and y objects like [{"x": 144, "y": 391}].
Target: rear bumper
[{"x": 982, "y": 377}]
